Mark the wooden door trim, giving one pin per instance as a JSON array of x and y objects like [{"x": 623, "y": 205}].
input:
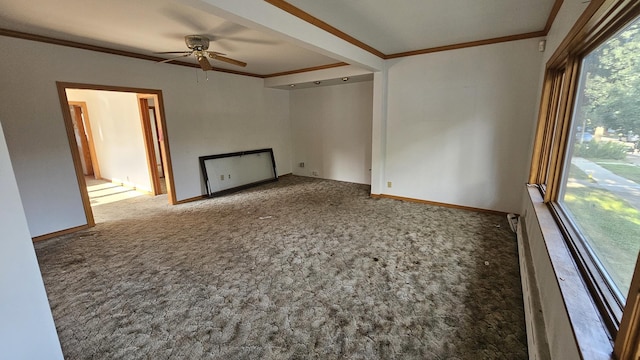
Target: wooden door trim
[
  {"x": 147, "y": 134},
  {"x": 92, "y": 146},
  {"x": 165, "y": 153},
  {"x": 75, "y": 154},
  {"x": 82, "y": 136},
  {"x": 158, "y": 138}
]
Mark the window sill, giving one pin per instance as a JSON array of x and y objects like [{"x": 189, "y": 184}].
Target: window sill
[{"x": 589, "y": 331}]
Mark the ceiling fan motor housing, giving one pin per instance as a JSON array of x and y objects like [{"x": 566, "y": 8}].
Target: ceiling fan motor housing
[{"x": 197, "y": 42}]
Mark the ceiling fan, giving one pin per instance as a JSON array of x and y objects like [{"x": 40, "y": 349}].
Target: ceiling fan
[{"x": 198, "y": 46}]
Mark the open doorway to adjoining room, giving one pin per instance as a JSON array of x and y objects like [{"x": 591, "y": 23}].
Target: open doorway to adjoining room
[{"x": 118, "y": 141}]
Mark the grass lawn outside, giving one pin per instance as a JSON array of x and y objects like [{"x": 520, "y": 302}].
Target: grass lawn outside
[
  {"x": 626, "y": 170},
  {"x": 576, "y": 173},
  {"x": 609, "y": 224}
]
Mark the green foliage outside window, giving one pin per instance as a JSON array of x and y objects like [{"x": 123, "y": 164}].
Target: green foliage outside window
[
  {"x": 601, "y": 150},
  {"x": 613, "y": 83}
]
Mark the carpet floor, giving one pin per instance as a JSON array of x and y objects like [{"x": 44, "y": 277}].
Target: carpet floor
[{"x": 301, "y": 268}]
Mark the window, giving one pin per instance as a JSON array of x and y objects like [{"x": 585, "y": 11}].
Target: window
[
  {"x": 600, "y": 192},
  {"x": 586, "y": 161},
  {"x": 554, "y": 88}
]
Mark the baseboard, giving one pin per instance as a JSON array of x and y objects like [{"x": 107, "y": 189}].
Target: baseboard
[
  {"x": 188, "y": 200},
  {"x": 435, "y": 203},
  {"x": 59, "y": 233}
]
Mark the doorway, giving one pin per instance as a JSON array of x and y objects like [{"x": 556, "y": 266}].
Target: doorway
[{"x": 102, "y": 151}]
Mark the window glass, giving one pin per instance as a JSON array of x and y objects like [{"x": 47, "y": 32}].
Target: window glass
[{"x": 601, "y": 182}]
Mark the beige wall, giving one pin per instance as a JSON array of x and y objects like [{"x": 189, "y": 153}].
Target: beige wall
[
  {"x": 331, "y": 131},
  {"x": 225, "y": 113},
  {"x": 27, "y": 330},
  {"x": 458, "y": 124}
]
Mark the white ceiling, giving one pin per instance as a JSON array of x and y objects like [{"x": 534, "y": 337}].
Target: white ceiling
[
  {"x": 148, "y": 26},
  {"x": 406, "y": 25}
]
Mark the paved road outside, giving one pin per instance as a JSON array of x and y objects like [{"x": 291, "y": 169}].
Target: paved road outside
[{"x": 607, "y": 180}]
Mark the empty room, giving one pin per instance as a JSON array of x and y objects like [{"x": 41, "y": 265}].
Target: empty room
[{"x": 320, "y": 180}]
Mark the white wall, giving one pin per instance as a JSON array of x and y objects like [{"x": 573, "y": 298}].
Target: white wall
[
  {"x": 224, "y": 114},
  {"x": 27, "y": 330},
  {"x": 117, "y": 135},
  {"x": 331, "y": 130},
  {"x": 564, "y": 21},
  {"x": 459, "y": 124}
]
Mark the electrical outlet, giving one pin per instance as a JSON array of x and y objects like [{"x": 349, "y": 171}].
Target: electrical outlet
[
  {"x": 302, "y": 164},
  {"x": 314, "y": 173},
  {"x": 221, "y": 177},
  {"x": 541, "y": 45},
  {"x": 229, "y": 176},
  {"x": 389, "y": 184}
]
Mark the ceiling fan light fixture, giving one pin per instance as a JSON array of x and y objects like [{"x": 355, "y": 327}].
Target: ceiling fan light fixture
[
  {"x": 198, "y": 46},
  {"x": 197, "y": 42}
]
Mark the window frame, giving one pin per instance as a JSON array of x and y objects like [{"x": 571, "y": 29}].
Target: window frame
[{"x": 600, "y": 21}]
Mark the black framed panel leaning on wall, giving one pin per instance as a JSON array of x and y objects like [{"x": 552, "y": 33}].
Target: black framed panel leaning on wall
[{"x": 226, "y": 173}]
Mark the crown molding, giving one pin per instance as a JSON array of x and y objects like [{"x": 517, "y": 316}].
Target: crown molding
[
  {"x": 285, "y": 6},
  {"x": 301, "y": 14},
  {"x": 78, "y": 45}
]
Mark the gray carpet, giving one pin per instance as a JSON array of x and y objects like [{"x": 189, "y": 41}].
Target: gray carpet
[{"x": 298, "y": 269}]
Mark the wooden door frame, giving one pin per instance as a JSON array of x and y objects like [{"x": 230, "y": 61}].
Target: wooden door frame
[
  {"x": 157, "y": 139},
  {"x": 150, "y": 140},
  {"x": 87, "y": 127},
  {"x": 152, "y": 165},
  {"x": 75, "y": 154}
]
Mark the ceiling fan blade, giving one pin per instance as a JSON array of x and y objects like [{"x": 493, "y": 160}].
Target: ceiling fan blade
[
  {"x": 228, "y": 60},
  {"x": 189, "y": 19},
  {"x": 227, "y": 28},
  {"x": 252, "y": 41},
  {"x": 174, "y": 52},
  {"x": 204, "y": 63},
  {"x": 174, "y": 58}
]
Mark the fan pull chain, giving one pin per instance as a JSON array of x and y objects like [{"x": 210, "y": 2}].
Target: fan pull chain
[{"x": 206, "y": 74}]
